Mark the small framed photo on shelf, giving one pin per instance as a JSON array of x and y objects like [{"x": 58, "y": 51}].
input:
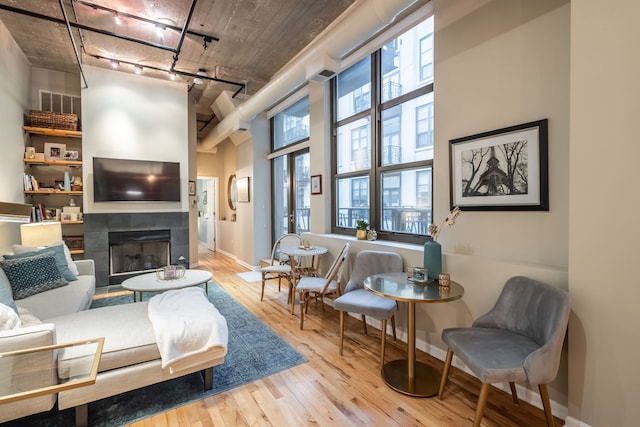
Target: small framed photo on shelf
[
  {"x": 70, "y": 155},
  {"x": 54, "y": 151},
  {"x": 74, "y": 242},
  {"x": 316, "y": 184}
]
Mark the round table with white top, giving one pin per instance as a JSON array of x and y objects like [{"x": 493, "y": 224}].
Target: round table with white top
[{"x": 150, "y": 282}]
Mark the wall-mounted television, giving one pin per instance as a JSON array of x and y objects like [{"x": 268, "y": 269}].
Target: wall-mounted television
[{"x": 124, "y": 180}]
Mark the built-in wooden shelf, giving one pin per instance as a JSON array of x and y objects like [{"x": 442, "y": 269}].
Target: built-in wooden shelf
[
  {"x": 52, "y": 132},
  {"x": 76, "y": 251},
  {"x": 54, "y": 162},
  {"x": 51, "y": 192},
  {"x": 71, "y": 222}
]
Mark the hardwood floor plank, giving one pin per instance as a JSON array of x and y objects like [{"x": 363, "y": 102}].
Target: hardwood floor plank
[{"x": 329, "y": 389}]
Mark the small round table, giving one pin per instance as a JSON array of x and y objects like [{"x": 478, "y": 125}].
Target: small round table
[
  {"x": 149, "y": 282},
  {"x": 406, "y": 375},
  {"x": 297, "y": 270}
]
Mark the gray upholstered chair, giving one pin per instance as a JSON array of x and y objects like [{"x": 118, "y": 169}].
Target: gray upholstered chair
[
  {"x": 519, "y": 340},
  {"x": 314, "y": 288},
  {"x": 279, "y": 266},
  {"x": 356, "y": 299}
]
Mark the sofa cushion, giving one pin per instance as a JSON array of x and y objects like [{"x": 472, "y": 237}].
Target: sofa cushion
[
  {"x": 32, "y": 274},
  {"x": 6, "y": 294},
  {"x": 61, "y": 259},
  {"x": 9, "y": 319},
  {"x": 128, "y": 335},
  {"x": 69, "y": 299}
]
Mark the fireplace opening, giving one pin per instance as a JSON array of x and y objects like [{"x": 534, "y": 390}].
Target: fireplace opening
[{"x": 134, "y": 252}]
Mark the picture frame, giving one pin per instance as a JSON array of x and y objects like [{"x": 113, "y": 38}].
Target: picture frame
[
  {"x": 54, "y": 150},
  {"x": 74, "y": 242},
  {"x": 192, "y": 188},
  {"x": 70, "y": 155},
  {"x": 316, "y": 184},
  {"x": 501, "y": 170},
  {"x": 242, "y": 187}
]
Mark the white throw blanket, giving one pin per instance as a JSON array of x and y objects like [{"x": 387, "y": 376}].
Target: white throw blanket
[{"x": 185, "y": 324}]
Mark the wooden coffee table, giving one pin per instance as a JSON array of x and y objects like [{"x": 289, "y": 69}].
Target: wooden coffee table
[{"x": 150, "y": 283}]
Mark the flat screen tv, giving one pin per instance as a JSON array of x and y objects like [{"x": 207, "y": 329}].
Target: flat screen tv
[{"x": 123, "y": 180}]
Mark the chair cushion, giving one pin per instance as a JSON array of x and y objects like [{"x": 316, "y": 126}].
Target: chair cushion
[
  {"x": 493, "y": 355},
  {"x": 315, "y": 284},
  {"x": 364, "y": 302}
]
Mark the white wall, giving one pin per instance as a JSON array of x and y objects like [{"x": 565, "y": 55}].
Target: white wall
[
  {"x": 131, "y": 116},
  {"x": 504, "y": 63},
  {"x": 14, "y": 104},
  {"x": 604, "y": 338}
]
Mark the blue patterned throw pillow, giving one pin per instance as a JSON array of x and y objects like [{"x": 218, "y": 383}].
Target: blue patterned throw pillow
[
  {"x": 58, "y": 253},
  {"x": 33, "y": 274}
]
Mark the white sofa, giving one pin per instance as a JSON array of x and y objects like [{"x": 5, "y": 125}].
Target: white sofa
[{"x": 130, "y": 357}]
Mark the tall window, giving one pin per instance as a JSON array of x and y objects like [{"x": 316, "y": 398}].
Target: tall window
[
  {"x": 383, "y": 110},
  {"x": 291, "y": 125}
]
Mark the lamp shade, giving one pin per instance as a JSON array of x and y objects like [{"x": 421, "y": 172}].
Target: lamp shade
[
  {"x": 41, "y": 233},
  {"x": 15, "y": 212}
]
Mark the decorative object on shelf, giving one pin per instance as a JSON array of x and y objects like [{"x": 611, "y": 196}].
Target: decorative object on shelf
[
  {"x": 67, "y": 182},
  {"x": 480, "y": 164},
  {"x": 76, "y": 183},
  {"x": 54, "y": 151},
  {"x": 361, "y": 229},
  {"x": 372, "y": 234},
  {"x": 72, "y": 202},
  {"x": 444, "y": 280},
  {"x": 74, "y": 243},
  {"x": 49, "y": 119},
  {"x": 70, "y": 155},
  {"x": 171, "y": 272},
  {"x": 432, "y": 249},
  {"x": 30, "y": 153}
]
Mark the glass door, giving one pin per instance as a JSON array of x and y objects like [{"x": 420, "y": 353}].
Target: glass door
[{"x": 292, "y": 193}]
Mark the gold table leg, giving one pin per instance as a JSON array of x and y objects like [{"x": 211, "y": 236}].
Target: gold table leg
[{"x": 408, "y": 376}]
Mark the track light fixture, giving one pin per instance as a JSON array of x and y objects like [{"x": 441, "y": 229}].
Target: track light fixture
[
  {"x": 138, "y": 69},
  {"x": 198, "y": 80},
  {"x": 115, "y": 64}
]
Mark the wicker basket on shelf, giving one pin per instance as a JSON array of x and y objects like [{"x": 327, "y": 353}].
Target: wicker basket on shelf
[{"x": 48, "y": 119}]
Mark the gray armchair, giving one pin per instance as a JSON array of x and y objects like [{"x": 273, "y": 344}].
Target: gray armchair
[
  {"x": 519, "y": 340},
  {"x": 356, "y": 299}
]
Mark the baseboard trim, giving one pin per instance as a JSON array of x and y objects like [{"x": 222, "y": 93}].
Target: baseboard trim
[{"x": 572, "y": 422}]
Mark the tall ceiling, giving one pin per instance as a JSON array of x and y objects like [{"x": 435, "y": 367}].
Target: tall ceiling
[{"x": 238, "y": 44}]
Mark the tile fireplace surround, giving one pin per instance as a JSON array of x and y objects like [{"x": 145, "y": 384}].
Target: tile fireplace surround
[{"x": 97, "y": 228}]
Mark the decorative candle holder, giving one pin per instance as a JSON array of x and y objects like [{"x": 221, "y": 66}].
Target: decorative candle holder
[{"x": 444, "y": 280}]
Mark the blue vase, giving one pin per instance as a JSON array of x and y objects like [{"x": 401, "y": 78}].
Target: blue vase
[
  {"x": 67, "y": 182},
  {"x": 433, "y": 259}
]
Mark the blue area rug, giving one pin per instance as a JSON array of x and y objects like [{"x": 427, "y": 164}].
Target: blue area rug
[{"x": 255, "y": 351}]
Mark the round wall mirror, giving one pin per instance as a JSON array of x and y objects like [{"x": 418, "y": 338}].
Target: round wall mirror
[{"x": 232, "y": 194}]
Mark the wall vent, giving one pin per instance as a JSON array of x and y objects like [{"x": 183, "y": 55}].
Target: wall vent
[{"x": 61, "y": 103}]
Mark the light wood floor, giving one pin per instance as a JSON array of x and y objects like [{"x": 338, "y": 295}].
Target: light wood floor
[{"x": 329, "y": 389}]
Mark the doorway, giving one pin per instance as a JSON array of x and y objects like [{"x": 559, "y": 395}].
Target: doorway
[
  {"x": 207, "y": 195},
  {"x": 292, "y": 193}
]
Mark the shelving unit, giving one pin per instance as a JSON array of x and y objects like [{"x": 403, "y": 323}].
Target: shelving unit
[{"x": 48, "y": 172}]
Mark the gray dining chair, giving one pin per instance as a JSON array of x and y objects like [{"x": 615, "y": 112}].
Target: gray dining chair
[
  {"x": 519, "y": 340},
  {"x": 356, "y": 299},
  {"x": 279, "y": 266}
]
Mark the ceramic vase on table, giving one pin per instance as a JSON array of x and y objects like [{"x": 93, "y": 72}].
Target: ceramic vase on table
[{"x": 433, "y": 259}]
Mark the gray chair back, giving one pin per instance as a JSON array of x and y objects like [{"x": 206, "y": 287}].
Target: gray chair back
[
  {"x": 537, "y": 311},
  {"x": 372, "y": 262}
]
